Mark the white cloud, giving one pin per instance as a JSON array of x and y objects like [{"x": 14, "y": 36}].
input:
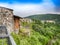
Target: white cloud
[{"x": 30, "y": 9}]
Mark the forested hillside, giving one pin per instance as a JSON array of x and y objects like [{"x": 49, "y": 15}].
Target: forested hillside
[
  {"x": 55, "y": 17},
  {"x": 40, "y": 34}
]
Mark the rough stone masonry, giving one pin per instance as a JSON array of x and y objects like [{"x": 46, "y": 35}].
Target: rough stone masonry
[{"x": 6, "y": 18}]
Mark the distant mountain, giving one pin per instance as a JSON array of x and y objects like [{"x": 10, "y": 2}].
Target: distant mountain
[{"x": 55, "y": 17}]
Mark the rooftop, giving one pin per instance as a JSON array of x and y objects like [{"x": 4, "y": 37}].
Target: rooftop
[
  {"x": 17, "y": 16},
  {"x": 6, "y": 8}
]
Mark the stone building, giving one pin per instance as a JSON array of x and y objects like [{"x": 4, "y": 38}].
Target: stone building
[{"x": 8, "y": 19}]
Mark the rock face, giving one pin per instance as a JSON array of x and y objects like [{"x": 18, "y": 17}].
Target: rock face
[
  {"x": 6, "y": 18},
  {"x": 27, "y": 20}
]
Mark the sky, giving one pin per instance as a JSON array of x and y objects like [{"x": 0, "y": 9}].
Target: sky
[{"x": 25, "y": 8}]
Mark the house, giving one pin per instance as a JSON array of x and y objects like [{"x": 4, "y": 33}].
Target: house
[{"x": 8, "y": 19}]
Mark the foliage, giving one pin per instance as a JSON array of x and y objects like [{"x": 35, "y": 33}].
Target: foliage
[
  {"x": 49, "y": 30},
  {"x": 3, "y": 41},
  {"x": 41, "y": 34}
]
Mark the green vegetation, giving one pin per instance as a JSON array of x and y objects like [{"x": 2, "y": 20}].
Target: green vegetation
[
  {"x": 3, "y": 41},
  {"x": 55, "y": 17},
  {"x": 41, "y": 34}
]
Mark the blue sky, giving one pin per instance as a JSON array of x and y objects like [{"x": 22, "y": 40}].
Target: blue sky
[
  {"x": 29, "y": 7},
  {"x": 21, "y": 1},
  {"x": 56, "y": 2}
]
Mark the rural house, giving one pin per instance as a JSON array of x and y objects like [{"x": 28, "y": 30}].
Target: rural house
[{"x": 8, "y": 19}]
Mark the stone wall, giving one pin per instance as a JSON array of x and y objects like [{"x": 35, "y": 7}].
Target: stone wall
[{"x": 6, "y": 18}]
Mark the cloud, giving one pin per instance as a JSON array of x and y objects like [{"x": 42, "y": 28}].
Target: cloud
[{"x": 30, "y": 9}]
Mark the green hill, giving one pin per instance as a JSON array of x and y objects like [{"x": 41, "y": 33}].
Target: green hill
[{"x": 55, "y": 17}]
